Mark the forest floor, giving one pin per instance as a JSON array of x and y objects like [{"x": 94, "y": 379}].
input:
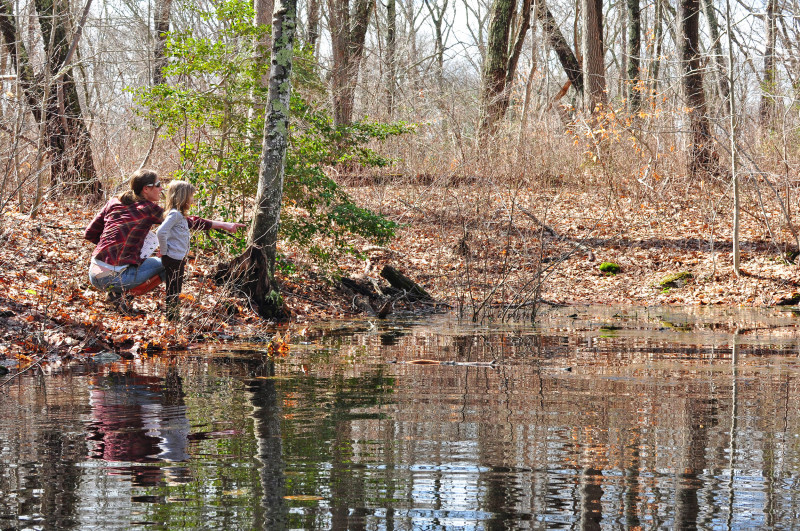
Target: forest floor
[{"x": 475, "y": 249}]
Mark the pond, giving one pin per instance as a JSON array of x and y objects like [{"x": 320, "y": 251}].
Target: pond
[{"x": 593, "y": 418}]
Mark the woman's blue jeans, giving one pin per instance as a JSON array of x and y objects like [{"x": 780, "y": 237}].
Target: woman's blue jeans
[{"x": 131, "y": 277}]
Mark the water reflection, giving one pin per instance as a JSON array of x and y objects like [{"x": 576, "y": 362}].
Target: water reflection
[
  {"x": 267, "y": 415},
  {"x": 631, "y": 426},
  {"x": 139, "y": 418}
]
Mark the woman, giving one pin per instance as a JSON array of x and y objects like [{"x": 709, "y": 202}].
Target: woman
[{"x": 119, "y": 231}]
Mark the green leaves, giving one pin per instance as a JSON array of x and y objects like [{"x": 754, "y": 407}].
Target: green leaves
[{"x": 213, "y": 108}]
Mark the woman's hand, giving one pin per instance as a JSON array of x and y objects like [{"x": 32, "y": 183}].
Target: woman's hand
[{"x": 226, "y": 226}]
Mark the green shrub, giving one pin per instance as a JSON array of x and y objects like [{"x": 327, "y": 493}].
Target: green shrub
[{"x": 207, "y": 110}]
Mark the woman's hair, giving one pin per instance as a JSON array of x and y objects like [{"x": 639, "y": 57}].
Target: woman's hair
[
  {"x": 179, "y": 194},
  {"x": 139, "y": 180}
]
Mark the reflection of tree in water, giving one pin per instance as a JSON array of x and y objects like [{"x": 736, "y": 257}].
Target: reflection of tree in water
[
  {"x": 320, "y": 433},
  {"x": 60, "y": 475},
  {"x": 40, "y": 477},
  {"x": 267, "y": 423},
  {"x": 139, "y": 419}
]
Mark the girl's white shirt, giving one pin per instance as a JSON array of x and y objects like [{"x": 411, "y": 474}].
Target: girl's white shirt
[{"x": 173, "y": 235}]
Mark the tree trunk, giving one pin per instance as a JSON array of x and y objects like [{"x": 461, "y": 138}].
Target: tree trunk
[
  {"x": 262, "y": 18},
  {"x": 655, "y": 55},
  {"x": 391, "y": 49},
  {"x": 767, "y": 107},
  {"x": 313, "y": 23},
  {"x": 502, "y": 59},
  {"x": 560, "y": 46},
  {"x": 68, "y": 141},
  {"x": 634, "y": 54},
  {"x": 716, "y": 46},
  {"x": 348, "y": 33},
  {"x": 19, "y": 57},
  {"x": 400, "y": 281},
  {"x": 437, "y": 10},
  {"x": 163, "y": 8},
  {"x": 702, "y": 155},
  {"x": 494, "y": 72},
  {"x": 593, "y": 54},
  {"x": 258, "y": 263}
]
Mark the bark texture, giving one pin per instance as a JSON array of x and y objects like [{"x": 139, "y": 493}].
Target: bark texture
[
  {"x": 507, "y": 33},
  {"x": 391, "y": 53},
  {"x": 767, "y": 107},
  {"x": 53, "y": 96},
  {"x": 561, "y": 47},
  {"x": 702, "y": 154},
  {"x": 348, "y": 32},
  {"x": 634, "y": 53},
  {"x": 163, "y": 9},
  {"x": 594, "y": 68},
  {"x": 255, "y": 269}
]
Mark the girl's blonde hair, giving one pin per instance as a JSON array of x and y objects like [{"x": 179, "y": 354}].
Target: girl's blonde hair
[{"x": 179, "y": 194}]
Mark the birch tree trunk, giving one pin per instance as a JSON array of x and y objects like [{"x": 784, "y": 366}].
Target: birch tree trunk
[{"x": 259, "y": 259}]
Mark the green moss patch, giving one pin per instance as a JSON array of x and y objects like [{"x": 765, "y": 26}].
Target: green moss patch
[
  {"x": 609, "y": 268},
  {"x": 675, "y": 280}
]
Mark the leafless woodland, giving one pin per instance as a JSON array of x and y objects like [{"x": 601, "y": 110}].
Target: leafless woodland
[{"x": 631, "y": 95}]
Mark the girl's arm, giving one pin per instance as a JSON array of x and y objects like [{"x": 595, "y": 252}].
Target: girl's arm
[
  {"x": 198, "y": 223},
  {"x": 224, "y": 225}
]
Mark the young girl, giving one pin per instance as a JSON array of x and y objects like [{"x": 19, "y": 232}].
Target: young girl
[{"x": 173, "y": 241}]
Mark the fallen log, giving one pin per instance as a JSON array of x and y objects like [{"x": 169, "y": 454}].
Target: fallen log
[{"x": 399, "y": 281}]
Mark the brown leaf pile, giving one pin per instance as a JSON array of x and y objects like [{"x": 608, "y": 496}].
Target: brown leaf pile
[{"x": 469, "y": 246}]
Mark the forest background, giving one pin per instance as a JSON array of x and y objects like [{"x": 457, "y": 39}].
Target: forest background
[{"x": 504, "y": 154}]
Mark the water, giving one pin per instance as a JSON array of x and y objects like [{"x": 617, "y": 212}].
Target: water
[{"x": 596, "y": 418}]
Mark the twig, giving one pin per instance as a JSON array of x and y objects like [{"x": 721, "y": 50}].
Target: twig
[{"x": 26, "y": 369}]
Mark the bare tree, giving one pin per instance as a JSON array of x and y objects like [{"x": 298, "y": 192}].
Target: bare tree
[
  {"x": 53, "y": 96},
  {"x": 594, "y": 73},
  {"x": 716, "y": 48},
  {"x": 437, "y": 10},
  {"x": 391, "y": 56},
  {"x": 506, "y": 35},
  {"x": 163, "y": 8},
  {"x": 348, "y": 33},
  {"x": 769, "y": 82},
  {"x": 633, "y": 55},
  {"x": 702, "y": 155},
  {"x": 561, "y": 47}
]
